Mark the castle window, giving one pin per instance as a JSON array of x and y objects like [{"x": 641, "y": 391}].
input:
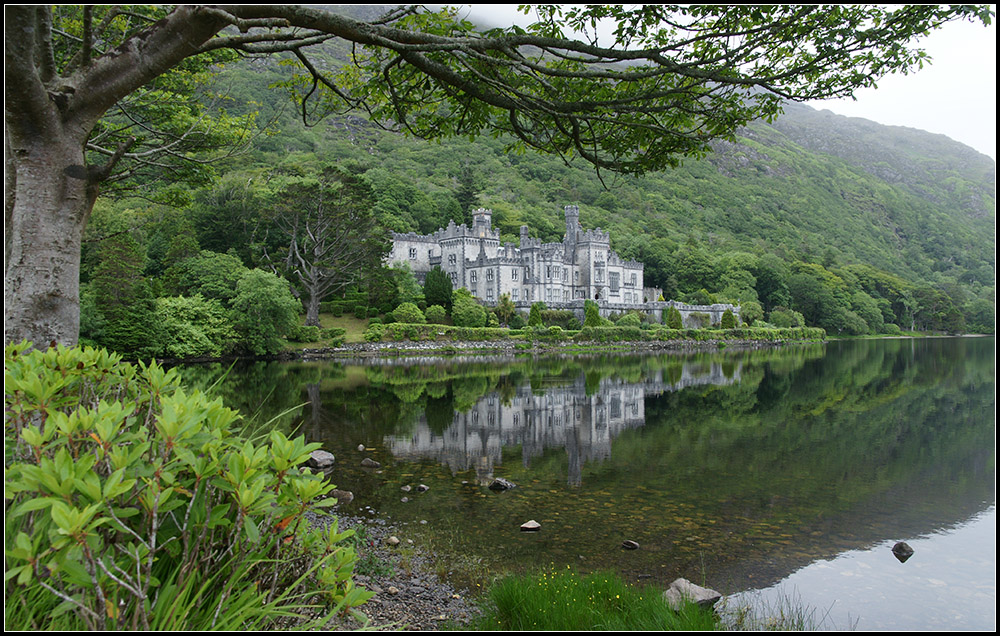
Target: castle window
[
  {"x": 473, "y": 277},
  {"x": 451, "y": 259},
  {"x": 489, "y": 293},
  {"x": 548, "y": 272},
  {"x": 513, "y": 274},
  {"x": 489, "y": 274},
  {"x": 513, "y": 294},
  {"x": 633, "y": 280},
  {"x": 413, "y": 253},
  {"x": 614, "y": 277}
]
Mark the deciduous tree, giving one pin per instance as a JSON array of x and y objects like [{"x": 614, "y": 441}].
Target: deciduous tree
[{"x": 673, "y": 79}]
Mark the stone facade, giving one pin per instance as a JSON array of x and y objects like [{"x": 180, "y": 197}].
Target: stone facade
[{"x": 562, "y": 275}]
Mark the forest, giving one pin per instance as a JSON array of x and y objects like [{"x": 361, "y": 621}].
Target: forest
[{"x": 812, "y": 220}]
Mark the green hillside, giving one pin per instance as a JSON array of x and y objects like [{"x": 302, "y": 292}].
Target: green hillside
[{"x": 838, "y": 222}]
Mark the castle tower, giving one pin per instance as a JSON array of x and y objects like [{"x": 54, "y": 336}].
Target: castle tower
[
  {"x": 572, "y": 227},
  {"x": 481, "y": 221}
]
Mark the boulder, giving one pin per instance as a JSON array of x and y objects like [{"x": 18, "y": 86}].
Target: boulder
[
  {"x": 682, "y": 590},
  {"x": 320, "y": 459},
  {"x": 531, "y": 526},
  {"x": 902, "y": 551},
  {"x": 361, "y": 448},
  {"x": 423, "y": 488},
  {"x": 368, "y": 462},
  {"x": 500, "y": 484}
]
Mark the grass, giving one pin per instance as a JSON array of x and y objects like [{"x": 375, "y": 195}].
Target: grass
[{"x": 563, "y": 600}]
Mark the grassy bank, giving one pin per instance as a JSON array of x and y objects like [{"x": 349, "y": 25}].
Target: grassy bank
[{"x": 566, "y": 601}]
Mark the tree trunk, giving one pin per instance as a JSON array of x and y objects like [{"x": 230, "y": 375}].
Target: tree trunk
[
  {"x": 52, "y": 201},
  {"x": 312, "y": 309}
]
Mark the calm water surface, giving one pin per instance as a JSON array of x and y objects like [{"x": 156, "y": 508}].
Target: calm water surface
[{"x": 782, "y": 473}]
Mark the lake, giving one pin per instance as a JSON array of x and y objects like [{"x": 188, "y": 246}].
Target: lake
[{"x": 770, "y": 474}]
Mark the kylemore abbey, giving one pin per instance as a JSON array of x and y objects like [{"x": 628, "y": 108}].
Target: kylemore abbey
[{"x": 562, "y": 275}]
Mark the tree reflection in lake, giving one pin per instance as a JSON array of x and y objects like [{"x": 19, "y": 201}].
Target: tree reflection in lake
[{"x": 733, "y": 469}]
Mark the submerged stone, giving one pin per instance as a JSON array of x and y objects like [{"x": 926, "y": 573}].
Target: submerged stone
[
  {"x": 368, "y": 462},
  {"x": 628, "y": 544},
  {"x": 501, "y": 484},
  {"x": 531, "y": 526}
]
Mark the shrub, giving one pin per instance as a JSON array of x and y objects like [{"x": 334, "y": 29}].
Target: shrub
[
  {"x": 374, "y": 333},
  {"x": 360, "y": 312},
  {"x": 728, "y": 320},
  {"x": 673, "y": 319},
  {"x": 466, "y": 310},
  {"x": 193, "y": 327},
  {"x": 335, "y": 336},
  {"x": 891, "y": 329},
  {"x": 134, "y": 505},
  {"x": 436, "y": 314},
  {"x": 535, "y": 314},
  {"x": 306, "y": 333},
  {"x": 264, "y": 311},
  {"x": 409, "y": 313},
  {"x": 592, "y": 315},
  {"x": 629, "y": 320}
]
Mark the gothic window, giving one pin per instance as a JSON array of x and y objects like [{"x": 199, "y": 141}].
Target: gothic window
[
  {"x": 513, "y": 294},
  {"x": 473, "y": 277},
  {"x": 548, "y": 272},
  {"x": 633, "y": 280},
  {"x": 451, "y": 259},
  {"x": 413, "y": 253},
  {"x": 489, "y": 274},
  {"x": 513, "y": 274},
  {"x": 614, "y": 276},
  {"x": 489, "y": 294}
]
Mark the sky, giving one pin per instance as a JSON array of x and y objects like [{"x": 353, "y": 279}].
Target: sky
[{"x": 954, "y": 96}]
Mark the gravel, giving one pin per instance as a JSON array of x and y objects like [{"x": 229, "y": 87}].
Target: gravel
[{"x": 408, "y": 595}]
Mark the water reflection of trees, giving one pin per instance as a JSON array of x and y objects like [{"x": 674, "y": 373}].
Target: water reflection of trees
[{"x": 806, "y": 452}]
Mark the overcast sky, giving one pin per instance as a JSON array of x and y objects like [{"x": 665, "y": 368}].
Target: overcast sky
[{"x": 954, "y": 96}]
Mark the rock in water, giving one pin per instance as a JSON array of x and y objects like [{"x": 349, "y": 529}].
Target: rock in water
[
  {"x": 368, "y": 462},
  {"x": 902, "y": 551},
  {"x": 531, "y": 526},
  {"x": 628, "y": 544},
  {"x": 501, "y": 484},
  {"x": 320, "y": 459},
  {"x": 342, "y": 496},
  {"x": 682, "y": 590}
]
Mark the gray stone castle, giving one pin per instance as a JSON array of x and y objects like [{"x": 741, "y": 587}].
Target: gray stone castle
[{"x": 562, "y": 275}]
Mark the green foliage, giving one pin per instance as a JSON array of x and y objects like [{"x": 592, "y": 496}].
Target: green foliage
[
  {"x": 409, "y": 313},
  {"x": 782, "y": 317},
  {"x": 629, "y": 320},
  {"x": 436, "y": 314},
  {"x": 123, "y": 299},
  {"x": 535, "y": 314},
  {"x": 566, "y": 601},
  {"x": 466, "y": 310},
  {"x": 505, "y": 310},
  {"x": 211, "y": 274},
  {"x": 673, "y": 318},
  {"x": 132, "y": 504},
  {"x": 194, "y": 327},
  {"x": 728, "y": 320},
  {"x": 592, "y": 315},
  {"x": 438, "y": 289},
  {"x": 264, "y": 312}
]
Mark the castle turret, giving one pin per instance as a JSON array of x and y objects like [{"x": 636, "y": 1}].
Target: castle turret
[
  {"x": 572, "y": 228},
  {"x": 481, "y": 221}
]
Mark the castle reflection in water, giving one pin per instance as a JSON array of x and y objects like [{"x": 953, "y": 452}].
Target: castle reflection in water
[{"x": 562, "y": 416}]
